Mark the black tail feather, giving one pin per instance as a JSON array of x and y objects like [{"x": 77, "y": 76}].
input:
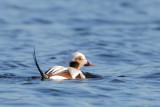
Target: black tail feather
[{"x": 35, "y": 60}]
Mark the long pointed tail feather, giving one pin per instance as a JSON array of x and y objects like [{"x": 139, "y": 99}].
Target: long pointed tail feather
[{"x": 40, "y": 71}]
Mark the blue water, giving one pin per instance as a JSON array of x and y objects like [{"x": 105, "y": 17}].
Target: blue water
[{"x": 121, "y": 38}]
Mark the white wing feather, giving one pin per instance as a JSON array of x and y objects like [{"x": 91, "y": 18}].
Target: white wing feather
[{"x": 57, "y": 69}]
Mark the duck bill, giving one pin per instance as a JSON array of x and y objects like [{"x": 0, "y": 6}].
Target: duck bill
[{"x": 88, "y": 64}]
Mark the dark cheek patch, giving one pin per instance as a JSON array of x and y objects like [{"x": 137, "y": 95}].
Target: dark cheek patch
[{"x": 74, "y": 64}]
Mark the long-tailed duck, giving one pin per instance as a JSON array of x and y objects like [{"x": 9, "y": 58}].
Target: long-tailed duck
[{"x": 76, "y": 61}]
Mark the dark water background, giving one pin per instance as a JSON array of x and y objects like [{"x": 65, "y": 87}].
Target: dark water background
[{"x": 121, "y": 38}]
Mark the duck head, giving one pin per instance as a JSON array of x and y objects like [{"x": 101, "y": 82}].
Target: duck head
[{"x": 78, "y": 60}]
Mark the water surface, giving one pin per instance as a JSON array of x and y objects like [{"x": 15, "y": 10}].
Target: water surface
[{"x": 121, "y": 38}]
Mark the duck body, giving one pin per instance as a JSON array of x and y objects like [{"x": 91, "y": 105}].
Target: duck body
[
  {"x": 60, "y": 72},
  {"x": 75, "y": 62}
]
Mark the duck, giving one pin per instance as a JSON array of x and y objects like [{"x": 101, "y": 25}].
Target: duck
[{"x": 75, "y": 61}]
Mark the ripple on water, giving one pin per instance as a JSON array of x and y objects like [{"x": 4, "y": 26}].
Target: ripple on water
[
  {"x": 117, "y": 81},
  {"x": 38, "y": 21},
  {"x": 81, "y": 29},
  {"x": 152, "y": 76},
  {"x": 53, "y": 92},
  {"x": 157, "y": 28},
  {"x": 9, "y": 75},
  {"x": 10, "y": 65},
  {"x": 2, "y": 21},
  {"x": 18, "y": 78},
  {"x": 108, "y": 55}
]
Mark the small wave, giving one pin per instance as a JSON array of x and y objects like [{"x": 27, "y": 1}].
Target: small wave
[
  {"x": 10, "y": 75},
  {"x": 154, "y": 75},
  {"x": 157, "y": 28},
  {"x": 122, "y": 76},
  {"x": 81, "y": 29},
  {"x": 38, "y": 20},
  {"x": 13, "y": 76},
  {"x": 116, "y": 81},
  {"x": 126, "y": 4},
  {"x": 107, "y": 55},
  {"x": 53, "y": 92},
  {"x": 2, "y": 21}
]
